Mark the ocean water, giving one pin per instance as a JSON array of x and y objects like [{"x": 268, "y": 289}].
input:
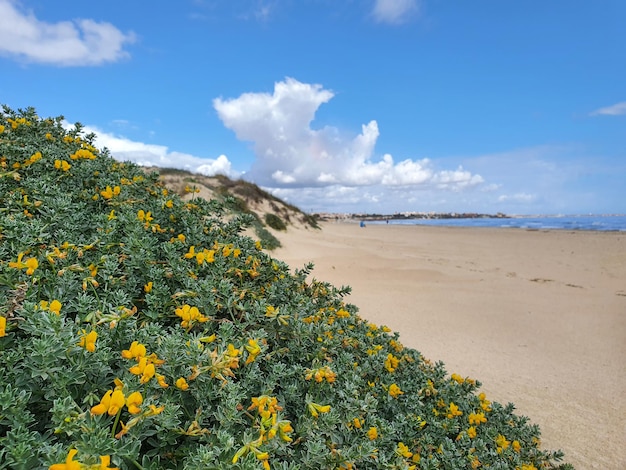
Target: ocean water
[{"x": 566, "y": 222}]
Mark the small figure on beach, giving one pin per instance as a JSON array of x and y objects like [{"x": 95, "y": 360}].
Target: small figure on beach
[{"x": 362, "y": 223}]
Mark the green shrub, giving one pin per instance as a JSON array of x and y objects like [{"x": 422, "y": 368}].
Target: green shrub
[
  {"x": 267, "y": 239},
  {"x": 140, "y": 331},
  {"x": 275, "y": 222},
  {"x": 235, "y": 204}
]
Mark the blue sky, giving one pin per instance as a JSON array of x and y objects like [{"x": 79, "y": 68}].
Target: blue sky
[{"x": 344, "y": 105}]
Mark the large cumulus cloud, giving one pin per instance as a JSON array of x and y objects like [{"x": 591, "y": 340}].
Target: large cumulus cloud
[{"x": 291, "y": 153}]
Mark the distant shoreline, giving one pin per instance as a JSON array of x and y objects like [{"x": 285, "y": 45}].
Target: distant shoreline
[
  {"x": 411, "y": 216},
  {"x": 595, "y": 223}
]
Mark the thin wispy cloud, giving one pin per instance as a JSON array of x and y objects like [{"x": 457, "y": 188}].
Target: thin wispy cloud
[
  {"x": 394, "y": 11},
  {"x": 151, "y": 155},
  {"x": 82, "y": 42},
  {"x": 263, "y": 12},
  {"x": 613, "y": 110}
]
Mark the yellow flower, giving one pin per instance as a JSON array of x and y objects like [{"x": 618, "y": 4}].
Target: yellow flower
[
  {"x": 477, "y": 418},
  {"x": 55, "y": 307},
  {"x": 191, "y": 253},
  {"x": 148, "y": 287},
  {"x": 253, "y": 349},
  {"x": 144, "y": 216},
  {"x": 30, "y": 264},
  {"x": 264, "y": 457},
  {"x": 135, "y": 351},
  {"x": 372, "y": 433},
  {"x": 457, "y": 378},
  {"x": 88, "y": 340},
  {"x": 105, "y": 461},
  {"x": 189, "y": 315},
  {"x": 145, "y": 369},
  {"x": 316, "y": 409},
  {"x": 208, "y": 339},
  {"x": 471, "y": 432},
  {"x": 169, "y": 204},
  {"x": 70, "y": 463},
  {"x": 33, "y": 159},
  {"x": 153, "y": 410},
  {"x": 502, "y": 443},
  {"x": 341, "y": 313},
  {"x": 284, "y": 428},
  {"x": 395, "y": 391},
  {"x": 232, "y": 351},
  {"x": 391, "y": 363},
  {"x": 109, "y": 192},
  {"x": 62, "y": 165},
  {"x": 205, "y": 255},
  {"x": 111, "y": 403},
  {"x": 453, "y": 411},
  {"x": 265, "y": 406},
  {"x": 82, "y": 153},
  {"x": 403, "y": 450},
  {"x": 517, "y": 447},
  {"x": 484, "y": 403},
  {"x": 133, "y": 401},
  {"x": 528, "y": 466},
  {"x": 161, "y": 380},
  {"x": 182, "y": 384},
  {"x": 3, "y": 326}
]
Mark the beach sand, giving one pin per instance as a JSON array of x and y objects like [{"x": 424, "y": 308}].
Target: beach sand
[{"x": 538, "y": 317}]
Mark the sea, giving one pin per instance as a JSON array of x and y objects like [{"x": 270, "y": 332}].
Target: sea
[{"x": 530, "y": 222}]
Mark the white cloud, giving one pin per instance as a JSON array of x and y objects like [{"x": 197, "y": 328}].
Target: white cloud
[
  {"x": 457, "y": 180},
  {"x": 613, "y": 110},
  {"x": 394, "y": 11},
  {"x": 262, "y": 13},
  {"x": 289, "y": 152},
  {"x": 80, "y": 42},
  {"x": 517, "y": 198},
  {"x": 143, "y": 154}
]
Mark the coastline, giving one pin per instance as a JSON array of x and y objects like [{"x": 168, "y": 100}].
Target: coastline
[
  {"x": 537, "y": 316},
  {"x": 588, "y": 222}
]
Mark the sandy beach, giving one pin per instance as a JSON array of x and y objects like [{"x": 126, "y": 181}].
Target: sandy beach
[{"x": 538, "y": 317}]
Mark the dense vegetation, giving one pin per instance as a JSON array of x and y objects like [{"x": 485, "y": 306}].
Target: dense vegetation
[
  {"x": 242, "y": 197},
  {"x": 140, "y": 331}
]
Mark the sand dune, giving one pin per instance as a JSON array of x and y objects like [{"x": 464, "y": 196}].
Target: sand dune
[{"x": 539, "y": 317}]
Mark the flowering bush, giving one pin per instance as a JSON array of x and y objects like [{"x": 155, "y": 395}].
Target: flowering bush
[{"x": 139, "y": 331}]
